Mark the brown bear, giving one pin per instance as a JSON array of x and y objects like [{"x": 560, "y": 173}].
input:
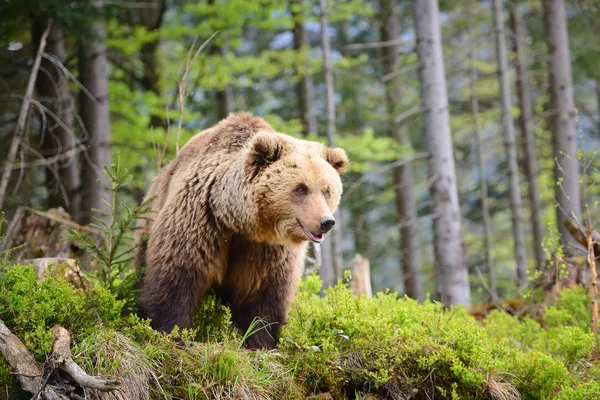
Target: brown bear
[{"x": 234, "y": 212}]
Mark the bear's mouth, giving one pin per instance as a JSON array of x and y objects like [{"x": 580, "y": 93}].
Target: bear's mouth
[{"x": 316, "y": 238}]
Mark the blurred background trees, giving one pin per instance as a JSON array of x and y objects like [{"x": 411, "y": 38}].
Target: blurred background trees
[{"x": 108, "y": 87}]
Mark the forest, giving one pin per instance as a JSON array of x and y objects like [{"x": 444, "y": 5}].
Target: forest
[{"x": 463, "y": 259}]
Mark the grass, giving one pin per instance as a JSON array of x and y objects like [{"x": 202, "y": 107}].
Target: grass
[{"x": 336, "y": 346}]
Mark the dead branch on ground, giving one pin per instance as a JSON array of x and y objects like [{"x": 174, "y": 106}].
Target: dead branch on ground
[
  {"x": 62, "y": 359},
  {"x": 31, "y": 374}
]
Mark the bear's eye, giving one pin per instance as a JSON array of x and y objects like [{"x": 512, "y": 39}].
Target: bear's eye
[
  {"x": 301, "y": 190},
  {"x": 327, "y": 193}
]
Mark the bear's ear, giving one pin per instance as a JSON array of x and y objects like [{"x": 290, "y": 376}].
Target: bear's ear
[
  {"x": 266, "y": 149},
  {"x": 337, "y": 158}
]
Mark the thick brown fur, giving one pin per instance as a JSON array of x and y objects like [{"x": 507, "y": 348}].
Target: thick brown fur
[{"x": 231, "y": 215}]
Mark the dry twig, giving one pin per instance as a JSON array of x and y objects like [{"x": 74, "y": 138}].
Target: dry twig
[
  {"x": 589, "y": 238},
  {"x": 189, "y": 60},
  {"x": 591, "y": 258},
  {"x": 20, "y": 128}
]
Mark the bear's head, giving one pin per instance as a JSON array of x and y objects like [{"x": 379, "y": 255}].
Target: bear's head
[{"x": 297, "y": 187}]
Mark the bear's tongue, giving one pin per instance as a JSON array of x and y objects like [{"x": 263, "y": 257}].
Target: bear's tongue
[{"x": 317, "y": 238}]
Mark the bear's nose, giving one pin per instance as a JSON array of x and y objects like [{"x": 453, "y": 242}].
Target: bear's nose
[{"x": 327, "y": 223}]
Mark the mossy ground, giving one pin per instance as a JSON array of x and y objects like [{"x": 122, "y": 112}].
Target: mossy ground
[{"x": 347, "y": 346}]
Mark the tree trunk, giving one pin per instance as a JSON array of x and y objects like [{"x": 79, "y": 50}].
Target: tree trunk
[
  {"x": 403, "y": 175},
  {"x": 34, "y": 234},
  {"x": 450, "y": 265},
  {"x": 304, "y": 87},
  {"x": 566, "y": 169},
  {"x": 150, "y": 17},
  {"x": 598, "y": 103},
  {"x": 485, "y": 210},
  {"x": 335, "y": 239},
  {"x": 52, "y": 87},
  {"x": 224, "y": 97},
  {"x": 95, "y": 114},
  {"x": 526, "y": 121},
  {"x": 508, "y": 126}
]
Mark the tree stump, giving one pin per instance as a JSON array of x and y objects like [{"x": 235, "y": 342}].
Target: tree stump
[
  {"x": 361, "y": 276},
  {"x": 37, "y": 234}
]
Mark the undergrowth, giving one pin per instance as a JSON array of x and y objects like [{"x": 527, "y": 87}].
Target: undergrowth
[{"x": 341, "y": 344}]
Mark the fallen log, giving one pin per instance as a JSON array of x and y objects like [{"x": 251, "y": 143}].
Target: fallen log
[{"x": 31, "y": 375}]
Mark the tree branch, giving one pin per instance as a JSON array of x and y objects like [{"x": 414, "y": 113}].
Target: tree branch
[
  {"x": 20, "y": 128},
  {"x": 62, "y": 358},
  {"x": 28, "y": 371}
]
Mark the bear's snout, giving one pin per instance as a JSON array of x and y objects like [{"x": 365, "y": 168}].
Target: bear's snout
[{"x": 327, "y": 223}]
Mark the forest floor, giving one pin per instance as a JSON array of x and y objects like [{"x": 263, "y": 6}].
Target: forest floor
[{"x": 336, "y": 346}]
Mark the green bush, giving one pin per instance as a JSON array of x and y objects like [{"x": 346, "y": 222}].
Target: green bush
[
  {"x": 31, "y": 308},
  {"x": 345, "y": 345},
  {"x": 571, "y": 308}
]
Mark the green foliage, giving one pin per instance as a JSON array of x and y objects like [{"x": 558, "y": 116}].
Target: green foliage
[
  {"x": 343, "y": 343},
  {"x": 571, "y": 308},
  {"x": 31, "y": 307},
  {"x": 213, "y": 321},
  {"x": 115, "y": 255}
]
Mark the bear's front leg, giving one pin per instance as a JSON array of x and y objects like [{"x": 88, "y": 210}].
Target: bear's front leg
[
  {"x": 171, "y": 298},
  {"x": 182, "y": 263},
  {"x": 261, "y": 283},
  {"x": 266, "y": 308}
]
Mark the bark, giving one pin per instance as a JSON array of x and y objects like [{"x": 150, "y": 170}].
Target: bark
[
  {"x": 329, "y": 89},
  {"x": 95, "y": 114},
  {"x": 52, "y": 87},
  {"x": 62, "y": 358},
  {"x": 591, "y": 259},
  {"x": 450, "y": 265},
  {"x": 508, "y": 126},
  {"x": 224, "y": 97},
  {"x": 334, "y": 254},
  {"x": 403, "y": 174},
  {"x": 566, "y": 169},
  {"x": 22, "y": 119},
  {"x": 485, "y": 210},
  {"x": 526, "y": 122},
  {"x": 31, "y": 375},
  {"x": 361, "y": 276},
  {"x": 26, "y": 369},
  {"x": 304, "y": 87},
  {"x": 32, "y": 233},
  {"x": 327, "y": 271},
  {"x": 151, "y": 18},
  {"x": 598, "y": 103}
]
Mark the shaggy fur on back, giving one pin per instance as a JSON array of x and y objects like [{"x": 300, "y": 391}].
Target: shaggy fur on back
[{"x": 233, "y": 213}]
